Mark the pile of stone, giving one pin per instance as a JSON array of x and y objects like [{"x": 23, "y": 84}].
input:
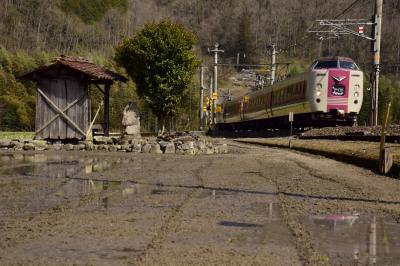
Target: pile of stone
[{"x": 168, "y": 145}]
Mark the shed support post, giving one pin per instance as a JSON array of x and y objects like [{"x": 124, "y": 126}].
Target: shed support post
[{"x": 106, "y": 117}]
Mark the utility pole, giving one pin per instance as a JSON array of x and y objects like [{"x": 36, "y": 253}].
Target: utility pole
[
  {"x": 376, "y": 50},
  {"x": 273, "y": 64},
  {"x": 210, "y": 111},
  {"x": 215, "y": 87},
  {"x": 201, "y": 113}
]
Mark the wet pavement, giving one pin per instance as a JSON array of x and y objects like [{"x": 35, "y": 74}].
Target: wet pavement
[{"x": 254, "y": 206}]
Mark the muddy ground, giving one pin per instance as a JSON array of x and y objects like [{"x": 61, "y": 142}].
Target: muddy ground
[{"x": 253, "y": 206}]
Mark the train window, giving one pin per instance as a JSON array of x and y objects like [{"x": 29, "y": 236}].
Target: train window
[
  {"x": 326, "y": 64},
  {"x": 348, "y": 65}
]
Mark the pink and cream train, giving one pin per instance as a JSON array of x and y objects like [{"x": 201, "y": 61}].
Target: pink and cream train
[{"x": 329, "y": 93}]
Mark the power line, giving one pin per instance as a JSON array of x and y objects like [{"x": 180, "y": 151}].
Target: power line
[{"x": 347, "y": 9}]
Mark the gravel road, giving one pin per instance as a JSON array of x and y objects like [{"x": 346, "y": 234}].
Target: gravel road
[{"x": 253, "y": 206}]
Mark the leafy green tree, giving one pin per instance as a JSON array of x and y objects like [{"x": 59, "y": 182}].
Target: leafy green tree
[{"x": 161, "y": 61}]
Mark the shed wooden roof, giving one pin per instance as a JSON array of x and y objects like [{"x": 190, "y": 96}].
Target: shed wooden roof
[{"x": 79, "y": 64}]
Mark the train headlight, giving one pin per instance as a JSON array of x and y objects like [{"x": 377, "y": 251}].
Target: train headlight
[
  {"x": 318, "y": 89},
  {"x": 356, "y": 88}
]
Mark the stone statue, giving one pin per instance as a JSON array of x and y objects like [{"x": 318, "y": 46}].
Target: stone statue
[{"x": 131, "y": 121}]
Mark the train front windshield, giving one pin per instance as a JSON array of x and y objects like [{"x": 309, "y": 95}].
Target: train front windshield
[
  {"x": 336, "y": 64},
  {"x": 348, "y": 65},
  {"x": 326, "y": 64}
]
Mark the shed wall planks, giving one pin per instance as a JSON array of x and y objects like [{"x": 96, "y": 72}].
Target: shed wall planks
[{"x": 62, "y": 88}]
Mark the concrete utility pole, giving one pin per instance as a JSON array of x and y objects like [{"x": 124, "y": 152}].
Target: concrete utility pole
[
  {"x": 215, "y": 87},
  {"x": 201, "y": 112},
  {"x": 210, "y": 92},
  {"x": 376, "y": 50},
  {"x": 273, "y": 64}
]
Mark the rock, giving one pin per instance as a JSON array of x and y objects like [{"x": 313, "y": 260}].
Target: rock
[
  {"x": 179, "y": 151},
  {"x": 29, "y": 146},
  {"x": 169, "y": 148},
  {"x": 18, "y": 146},
  {"x": 191, "y": 151},
  {"x": 202, "y": 146},
  {"x": 89, "y": 146},
  {"x": 41, "y": 147},
  {"x": 132, "y": 130},
  {"x": 55, "y": 147},
  {"x": 39, "y": 142},
  {"x": 102, "y": 140},
  {"x": 191, "y": 144},
  {"x": 223, "y": 148},
  {"x": 131, "y": 120},
  {"x": 79, "y": 147},
  {"x": 146, "y": 148},
  {"x": 68, "y": 147},
  {"x": 123, "y": 142},
  {"x": 163, "y": 144},
  {"x": 137, "y": 147},
  {"x": 155, "y": 148},
  {"x": 6, "y": 144},
  {"x": 127, "y": 148},
  {"x": 185, "y": 146},
  {"x": 131, "y": 115},
  {"x": 112, "y": 148}
]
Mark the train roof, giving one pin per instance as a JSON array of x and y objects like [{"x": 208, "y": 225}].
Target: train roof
[{"x": 335, "y": 58}]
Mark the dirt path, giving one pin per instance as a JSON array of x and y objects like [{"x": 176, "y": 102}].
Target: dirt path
[{"x": 254, "y": 206}]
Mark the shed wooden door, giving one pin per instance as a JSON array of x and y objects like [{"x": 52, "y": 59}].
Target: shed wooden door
[{"x": 63, "y": 93}]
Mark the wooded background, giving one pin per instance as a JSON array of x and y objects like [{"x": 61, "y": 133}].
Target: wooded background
[{"x": 32, "y": 32}]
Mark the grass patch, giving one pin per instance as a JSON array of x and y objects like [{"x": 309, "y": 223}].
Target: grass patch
[{"x": 16, "y": 135}]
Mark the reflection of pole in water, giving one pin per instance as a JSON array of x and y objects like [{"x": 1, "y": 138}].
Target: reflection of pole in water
[
  {"x": 385, "y": 239},
  {"x": 270, "y": 213},
  {"x": 356, "y": 255},
  {"x": 372, "y": 242},
  {"x": 105, "y": 202}
]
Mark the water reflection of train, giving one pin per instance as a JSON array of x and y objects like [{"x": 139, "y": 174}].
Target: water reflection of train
[{"x": 329, "y": 93}]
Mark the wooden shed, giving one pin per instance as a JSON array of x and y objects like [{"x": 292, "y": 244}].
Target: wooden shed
[{"x": 63, "y": 103}]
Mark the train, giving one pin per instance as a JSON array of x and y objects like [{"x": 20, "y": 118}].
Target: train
[{"x": 329, "y": 93}]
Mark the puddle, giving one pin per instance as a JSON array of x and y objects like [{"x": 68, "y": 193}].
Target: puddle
[
  {"x": 55, "y": 166},
  {"x": 356, "y": 239},
  {"x": 112, "y": 192}
]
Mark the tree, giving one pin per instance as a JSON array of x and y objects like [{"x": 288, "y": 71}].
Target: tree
[{"x": 161, "y": 61}]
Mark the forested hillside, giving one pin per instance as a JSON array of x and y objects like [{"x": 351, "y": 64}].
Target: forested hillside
[{"x": 34, "y": 31}]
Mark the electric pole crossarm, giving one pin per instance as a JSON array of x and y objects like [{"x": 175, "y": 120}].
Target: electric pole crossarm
[
  {"x": 324, "y": 22},
  {"x": 339, "y": 27},
  {"x": 344, "y": 30}
]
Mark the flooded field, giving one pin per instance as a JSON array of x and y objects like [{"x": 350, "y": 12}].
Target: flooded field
[{"x": 252, "y": 206}]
